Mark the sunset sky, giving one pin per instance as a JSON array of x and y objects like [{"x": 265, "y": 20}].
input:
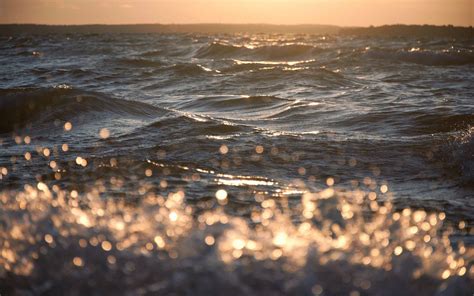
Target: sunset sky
[{"x": 335, "y": 12}]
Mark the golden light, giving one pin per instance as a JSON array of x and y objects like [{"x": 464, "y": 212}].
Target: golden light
[
  {"x": 77, "y": 261},
  {"x": 104, "y": 133},
  {"x": 221, "y": 194},
  {"x": 67, "y": 126}
]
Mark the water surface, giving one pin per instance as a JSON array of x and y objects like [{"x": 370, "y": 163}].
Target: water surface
[{"x": 259, "y": 116}]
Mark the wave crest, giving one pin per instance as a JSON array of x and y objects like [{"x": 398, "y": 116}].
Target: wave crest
[
  {"x": 270, "y": 52},
  {"x": 20, "y": 106}
]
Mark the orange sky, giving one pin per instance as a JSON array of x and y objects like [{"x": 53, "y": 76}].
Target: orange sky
[{"x": 336, "y": 12}]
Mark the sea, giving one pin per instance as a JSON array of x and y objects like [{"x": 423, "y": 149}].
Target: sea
[{"x": 236, "y": 164}]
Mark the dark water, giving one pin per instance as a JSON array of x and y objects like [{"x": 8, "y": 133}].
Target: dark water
[{"x": 256, "y": 115}]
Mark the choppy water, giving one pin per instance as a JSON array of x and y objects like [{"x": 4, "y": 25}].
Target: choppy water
[{"x": 263, "y": 117}]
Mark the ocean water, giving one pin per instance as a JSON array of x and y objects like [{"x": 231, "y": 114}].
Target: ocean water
[{"x": 240, "y": 164}]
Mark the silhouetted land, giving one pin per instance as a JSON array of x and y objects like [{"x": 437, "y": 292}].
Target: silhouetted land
[
  {"x": 412, "y": 30},
  {"x": 388, "y": 30}
]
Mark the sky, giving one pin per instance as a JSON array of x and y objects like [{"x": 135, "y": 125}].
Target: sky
[{"x": 332, "y": 12}]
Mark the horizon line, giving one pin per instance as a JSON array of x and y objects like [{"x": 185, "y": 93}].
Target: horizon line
[{"x": 235, "y": 24}]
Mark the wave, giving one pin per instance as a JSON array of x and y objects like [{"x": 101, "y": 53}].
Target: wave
[
  {"x": 458, "y": 156},
  {"x": 70, "y": 73},
  {"x": 424, "y": 57},
  {"x": 20, "y": 106},
  {"x": 277, "y": 52},
  {"x": 138, "y": 62},
  {"x": 247, "y": 66},
  {"x": 408, "y": 123},
  {"x": 218, "y": 50},
  {"x": 464, "y": 156},
  {"x": 189, "y": 69},
  {"x": 152, "y": 53},
  {"x": 299, "y": 110},
  {"x": 441, "y": 122},
  {"x": 189, "y": 125},
  {"x": 285, "y": 51},
  {"x": 234, "y": 103},
  {"x": 279, "y": 76}
]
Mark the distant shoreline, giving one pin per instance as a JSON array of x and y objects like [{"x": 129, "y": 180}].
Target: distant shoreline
[{"x": 386, "y": 30}]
